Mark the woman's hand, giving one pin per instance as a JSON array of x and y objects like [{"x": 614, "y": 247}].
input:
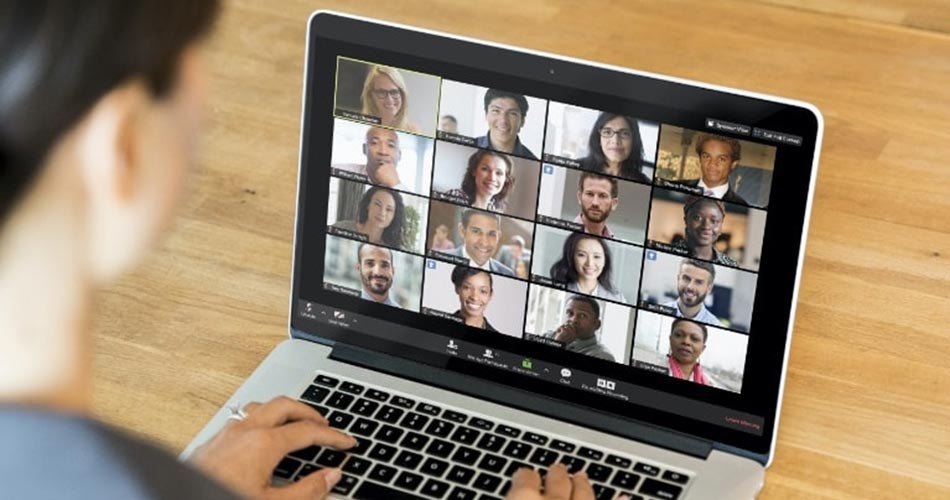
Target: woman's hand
[
  {"x": 243, "y": 455},
  {"x": 558, "y": 485}
]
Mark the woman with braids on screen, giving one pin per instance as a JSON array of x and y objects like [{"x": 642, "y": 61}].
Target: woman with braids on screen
[
  {"x": 386, "y": 96},
  {"x": 585, "y": 267},
  {"x": 487, "y": 182},
  {"x": 381, "y": 217},
  {"x": 614, "y": 148},
  {"x": 475, "y": 290}
]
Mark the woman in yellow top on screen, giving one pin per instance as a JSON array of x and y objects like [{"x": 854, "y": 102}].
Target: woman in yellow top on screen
[
  {"x": 488, "y": 181},
  {"x": 614, "y": 148},
  {"x": 385, "y": 96}
]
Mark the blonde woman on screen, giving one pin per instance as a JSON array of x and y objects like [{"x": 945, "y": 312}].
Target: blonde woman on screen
[{"x": 386, "y": 96}]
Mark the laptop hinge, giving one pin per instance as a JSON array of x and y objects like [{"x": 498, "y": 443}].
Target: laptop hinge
[{"x": 523, "y": 400}]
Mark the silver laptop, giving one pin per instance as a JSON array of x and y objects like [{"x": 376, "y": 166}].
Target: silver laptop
[{"x": 506, "y": 258}]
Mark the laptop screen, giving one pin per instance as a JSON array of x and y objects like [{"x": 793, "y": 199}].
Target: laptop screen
[{"x": 607, "y": 242}]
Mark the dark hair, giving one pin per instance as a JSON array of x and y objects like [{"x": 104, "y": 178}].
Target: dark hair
[
  {"x": 359, "y": 252},
  {"x": 395, "y": 234},
  {"x": 587, "y": 300},
  {"x": 57, "y": 59},
  {"x": 450, "y": 117},
  {"x": 563, "y": 271},
  {"x": 469, "y": 212},
  {"x": 493, "y": 94},
  {"x": 705, "y": 266},
  {"x": 468, "y": 183},
  {"x": 614, "y": 188},
  {"x": 734, "y": 144},
  {"x": 596, "y": 161},
  {"x": 684, "y": 320},
  {"x": 695, "y": 202},
  {"x": 462, "y": 273}
]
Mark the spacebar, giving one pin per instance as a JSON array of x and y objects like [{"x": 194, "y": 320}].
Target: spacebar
[{"x": 373, "y": 491}]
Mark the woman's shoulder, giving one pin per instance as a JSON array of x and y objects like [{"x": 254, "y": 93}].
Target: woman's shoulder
[{"x": 348, "y": 224}]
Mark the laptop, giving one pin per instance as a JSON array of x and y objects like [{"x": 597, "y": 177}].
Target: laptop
[{"x": 507, "y": 258}]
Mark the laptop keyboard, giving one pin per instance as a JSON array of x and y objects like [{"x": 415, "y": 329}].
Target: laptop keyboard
[{"x": 414, "y": 449}]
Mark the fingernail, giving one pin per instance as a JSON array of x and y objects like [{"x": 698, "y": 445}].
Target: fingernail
[
  {"x": 332, "y": 477},
  {"x": 623, "y": 497},
  {"x": 581, "y": 475}
]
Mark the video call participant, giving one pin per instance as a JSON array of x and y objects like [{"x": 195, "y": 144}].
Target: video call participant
[
  {"x": 449, "y": 124},
  {"x": 381, "y": 217},
  {"x": 488, "y": 181},
  {"x": 381, "y": 148},
  {"x": 441, "y": 240},
  {"x": 694, "y": 282},
  {"x": 480, "y": 234},
  {"x": 614, "y": 148},
  {"x": 598, "y": 196},
  {"x": 703, "y": 218},
  {"x": 385, "y": 96},
  {"x": 375, "y": 266},
  {"x": 579, "y": 324},
  {"x": 475, "y": 290},
  {"x": 505, "y": 113},
  {"x": 585, "y": 267},
  {"x": 516, "y": 256},
  {"x": 718, "y": 157},
  {"x": 687, "y": 343}
]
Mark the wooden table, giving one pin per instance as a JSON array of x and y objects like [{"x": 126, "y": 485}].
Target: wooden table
[{"x": 867, "y": 403}]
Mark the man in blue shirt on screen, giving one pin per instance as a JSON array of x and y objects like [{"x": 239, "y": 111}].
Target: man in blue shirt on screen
[{"x": 505, "y": 113}]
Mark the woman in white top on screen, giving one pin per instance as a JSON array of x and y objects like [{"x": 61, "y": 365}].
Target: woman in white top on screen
[{"x": 585, "y": 267}]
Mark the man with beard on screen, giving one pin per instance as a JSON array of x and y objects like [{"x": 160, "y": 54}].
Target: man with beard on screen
[
  {"x": 376, "y": 273},
  {"x": 694, "y": 281},
  {"x": 598, "y": 196}
]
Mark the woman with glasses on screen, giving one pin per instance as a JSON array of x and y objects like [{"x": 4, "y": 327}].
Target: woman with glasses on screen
[
  {"x": 585, "y": 267},
  {"x": 381, "y": 217},
  {"x": 487, "y": 183},
  {"x": 386, "y": 96},
  {"x": 614, "y": 148}
]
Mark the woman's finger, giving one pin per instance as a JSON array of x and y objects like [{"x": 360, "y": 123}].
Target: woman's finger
[
  {"x": 303, "y": 433},
  {"x": 525, "y": 485},
  {"x": 582, "y": 488},
  {"x": 281, "y": 410},
  {"x": 557, "y": 484}
]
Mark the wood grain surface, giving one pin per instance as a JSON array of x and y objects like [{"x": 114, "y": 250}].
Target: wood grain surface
[{"x": 867, "y": 402}]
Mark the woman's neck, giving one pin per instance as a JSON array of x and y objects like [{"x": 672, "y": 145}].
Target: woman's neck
[
  {"x": 686, "y": 369},
  {"x": 612, "y": 168},
  {"x": 476, "y": 321},
  {"x": 481, "y": 201},
  {"x": 375, "y": 234}
]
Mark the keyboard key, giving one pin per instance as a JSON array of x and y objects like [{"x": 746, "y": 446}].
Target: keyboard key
[
  {"x": 382, "y": 452},
  {"x": 357, "y": 465},
  {"x": 460, "y": 474},
  {"x": 466, "y": 455},
  {"x": 372, "y": 491},
  {"x": 315, "y": 393},
  {"x": 465, "y": 435},
  {"x": 306, "y": 470},
  {"x": 390, "y": 415},
  {"x": 325, "y": 380},
  {"x": 352, "y": 388},
  {"x": 340, "y": 400},
  {"x": 586, "y": 452},
  {"x": 487, "y": 482},
  {"x": 440, "y": 448},
  {"x": 331, "y": 458},
  {"x": 389, "y": 434},
  {"x": 362, "y": 446},
  {"x": 492, "y": 463},
  {"x": 509, "y": 431},
  {"x": 517, "y": 449},
  {"x": 365, "y": 407},
  {"x": 440, "y": 428},
  {"x": 414, "y": 421},
  {"x": 573, "y": 464},
  {"x": 543, "y": 457},
  {"x": 322, "y": 410},
  {"x": 454, "y": 416},
  {"x": 363, "y": 427},
  {"x": 307, "y": 454},
  {"x": 339, "y": 420},
  {"x": 429, "y": 409},
  {"x": 346, "y": 484},
  {"x": 382, "y": 473},
  {"x": 676, "y": 477},
  {"x": 409, "y": 481},
  {"x": 650, "y": 470},
  {"x": 403, "y": 402},
  {"x": 434, "y": 488},
  {"x": 625, "y": 480},
  {"x": 564, "y": 446},
  {"x": 598, "y": 472},
  {"x": 460, "y": 493},
  {"x": 538, "y": 439},
  {"x": 602, "y": 492},
  {"x": 434, "y": 467},
  {"x": 286, "y": 468},
  {"x": 515, "y": 466},
  {"x": 414, "y": 441},
  {"x": 623, "y": 463},
  {"x": 408, "y": 459},
  {"x": 481, "y": 423},
  {"x": 660, "y": 489},
  {"x": 491, "y": 442},
  {"x": 377, "y": 395}
]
